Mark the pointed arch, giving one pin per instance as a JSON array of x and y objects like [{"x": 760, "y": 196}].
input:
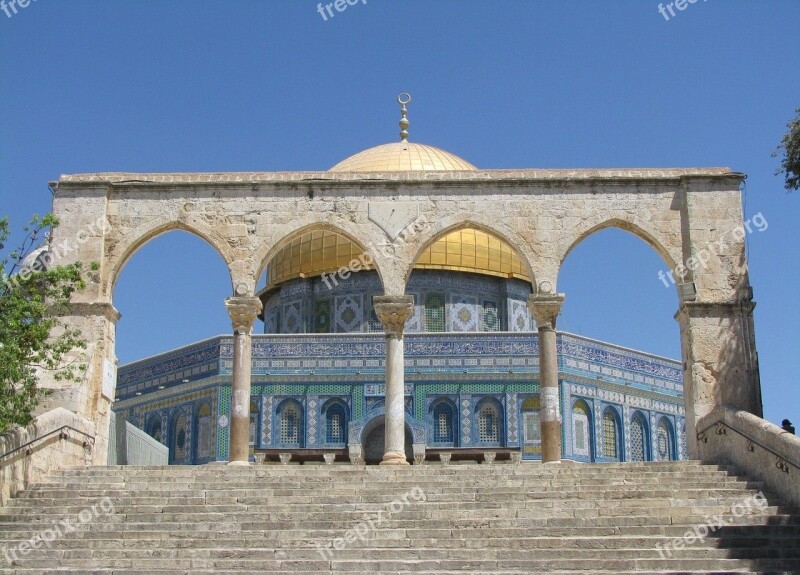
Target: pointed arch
[
  {"x": 666, "y": 446},
  {"x": 362, "y": 245},
  {"x": 612, "y": 435},
  {"x": 489, "y": 422},
  {"x": 423, "y": 241},
  {"x": 639, "y": 438},
  {"x": 582, "y": 430},
  {"x": 442, "y": 420},
  {"x": 118, "y": 258},
  {"x": 290, "y": 422},
  {"x": 634, "y": 229},
  {"x": 335, "y": 417}
]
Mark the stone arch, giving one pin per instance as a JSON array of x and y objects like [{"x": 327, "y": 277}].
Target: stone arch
[
  {"x": 376, "y": 426},
  {"x": 441, "y": 228},
  {"x": 636, "y": 229},
  {"x": 136, "y": 240},
  {"x": 352, "y": 233}
]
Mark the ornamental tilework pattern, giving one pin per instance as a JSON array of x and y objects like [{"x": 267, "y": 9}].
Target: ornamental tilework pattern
[
  {"x": 349, "y": 313},
  {"x": 311, "y": 417},
  {"x": 463, "y": 313},
  {"x": 465, "y": 366},
  {"x": 267, "y": 403},
  {"x": 512, "y": 418},
  {"x": 223, "y": 434},
  {"x": 415, "y": 322},
  {"x": 292, "y": 317},
  {"x": 490, "y": 316},
  {"x": 519, "y": 317},
  {"x": 466, "y": 420}
]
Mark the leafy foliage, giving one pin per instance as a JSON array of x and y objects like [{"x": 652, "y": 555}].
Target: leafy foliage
[
  {"x": 32, "y": 337},
  {"x": 790, "y": 144}
]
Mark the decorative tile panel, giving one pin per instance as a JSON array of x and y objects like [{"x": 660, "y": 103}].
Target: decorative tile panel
[
  {"x": 463, "y": 313},
  {"x": 349, "y": 313}
]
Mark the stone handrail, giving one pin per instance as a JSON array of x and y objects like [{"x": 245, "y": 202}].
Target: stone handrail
[
  {"x": 756, "y": 447},
  {"x": 30, "y": 453}
]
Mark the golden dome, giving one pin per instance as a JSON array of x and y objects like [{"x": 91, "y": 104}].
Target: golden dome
[
  {"x": 465, "y": 250},
  {"x": 403, "y": 156},
  {"x": 475, "y": 251},
  {"x": 310, "y": 255}
]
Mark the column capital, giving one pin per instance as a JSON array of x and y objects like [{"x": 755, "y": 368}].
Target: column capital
[
  {"x": 393, "y": 312},
  {"x": 545, "y": 309},
  {"x": 243, "y": 312}
]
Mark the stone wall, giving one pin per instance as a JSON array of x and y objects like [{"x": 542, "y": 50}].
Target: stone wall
[
  {"x": 756, "y": 447},
  {"x": 47, "y": 450}
]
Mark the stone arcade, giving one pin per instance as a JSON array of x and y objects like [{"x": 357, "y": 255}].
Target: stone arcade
[{"x": 442, "y": 248}]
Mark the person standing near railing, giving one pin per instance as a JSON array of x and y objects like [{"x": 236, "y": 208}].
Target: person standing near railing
[{"x": 787, "y": 426}]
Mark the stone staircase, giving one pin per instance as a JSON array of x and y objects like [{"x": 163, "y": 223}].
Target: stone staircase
[{"x": 502, "y": 518}]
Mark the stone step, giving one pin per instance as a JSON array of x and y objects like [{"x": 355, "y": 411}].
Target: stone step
[
  {"x": 196, "y": 571},
  {"x": 488, "y": 519},
  {"x": 266, "y": 565},
  {"x": 253, "y": 497}
]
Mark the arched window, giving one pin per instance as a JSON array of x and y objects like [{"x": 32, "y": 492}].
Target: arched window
[
  {"x": 665, "y": 441},
  {"x": 489, "y": 417},
  {"x": 205, "y": 429},
  {"x": 180, "y": 437},
  {"x": 154, "y": 428},
  {"x": 290, "y": 416},
  {"x": 442, "y": 421},
  {"x": 611, "y": 450},
  {"x": 531, "y": 423},
  {"x": 638, "y": 443},
  {"x": 335, "y": 423},
  {"x": 253, "y": 423},
  {"x": 581, "y": 429}
]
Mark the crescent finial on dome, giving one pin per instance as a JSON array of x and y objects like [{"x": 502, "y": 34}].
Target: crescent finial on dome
[{"x": 403, "y": 99}]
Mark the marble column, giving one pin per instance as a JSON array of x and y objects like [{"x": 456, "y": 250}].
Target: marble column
[
  {"x": 393, "y": 312},
  {"x": 243, "y": 312},
  {"x": 545, "y": 309}
]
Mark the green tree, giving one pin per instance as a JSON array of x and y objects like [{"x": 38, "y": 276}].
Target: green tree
[
  {"x": 34, "y": 293},
  {"x": 790, "y": 144}
]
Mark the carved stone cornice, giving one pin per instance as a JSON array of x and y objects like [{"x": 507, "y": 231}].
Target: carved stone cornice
[
  {"x": 393, "y": 312},
  {"x": 545, "y": 309},
  {"x": 104, "y": 309},
  {"x": 243, "y": 312},
  {"x": 717, "y": 309}
]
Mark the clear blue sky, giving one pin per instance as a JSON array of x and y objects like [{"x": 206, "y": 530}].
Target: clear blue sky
[{"x": 256, "y": 86}]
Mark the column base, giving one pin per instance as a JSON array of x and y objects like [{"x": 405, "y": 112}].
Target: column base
[
  {"x": 551, "y": 441},
  {"x": 394, "y": 458},
  {"x": 239, "y": 463}
]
